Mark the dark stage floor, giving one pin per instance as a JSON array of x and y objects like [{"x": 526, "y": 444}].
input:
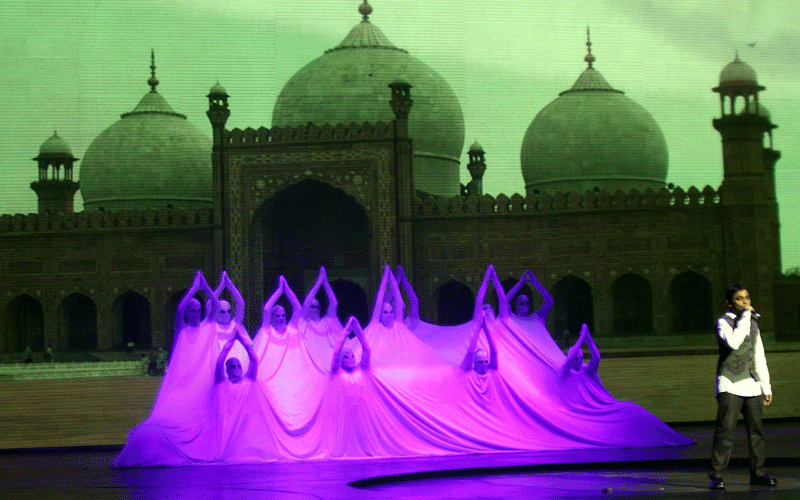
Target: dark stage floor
[{"x": 650, "y": 473}]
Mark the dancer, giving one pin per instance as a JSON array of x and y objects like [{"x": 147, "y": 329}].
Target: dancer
[
  {"x": 522, "y": 303},
  {"x": 188, "y": 380},
  {"x": 320, "y": 331},
  {"x": 391, "y": 341},
  {"x": 291, "y": 382},
  {"x": 579, "y": 382},
  {"x": 229, "y": 320}
]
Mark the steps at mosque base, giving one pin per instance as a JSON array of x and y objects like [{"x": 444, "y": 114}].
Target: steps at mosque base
[
  {"x": 38, "y": 371},
  {"x": 101, "y": 410}
]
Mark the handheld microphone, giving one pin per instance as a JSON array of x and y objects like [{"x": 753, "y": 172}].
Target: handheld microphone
[{"x": 754, "y": 314}]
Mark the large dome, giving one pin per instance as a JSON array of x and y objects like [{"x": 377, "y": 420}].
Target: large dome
[
  {"x": 593, "y": 136},
  {"x": 151, "y": 158},
  {"x": 349, "y": 83}
]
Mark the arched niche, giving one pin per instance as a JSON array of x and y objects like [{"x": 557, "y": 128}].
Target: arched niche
[
  {"x": 77, "y": 323},
  {"x": 455, "y": 303},
  {"x": 24, "y": 325},
  {"x": 130, "y": 321},
  {"x": 632, "y": 297},
  {"x": 692, "y": 308},
  {"x": 573, "y": 306}
]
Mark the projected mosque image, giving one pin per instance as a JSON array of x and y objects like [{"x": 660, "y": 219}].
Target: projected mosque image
[{"x": 360, "y": 168}]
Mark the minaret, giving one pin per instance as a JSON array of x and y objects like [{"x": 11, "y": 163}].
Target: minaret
[
  {"x": 742, "y": 128},
  {"x": 55, "y": 187},
  {"x": 749, "y": 207},
  {"x": 218, "y": 113},
  {"x": 476, "y": 167}
]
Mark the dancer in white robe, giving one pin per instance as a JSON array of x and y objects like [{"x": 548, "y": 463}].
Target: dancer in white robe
[
  {"x": 292, "y": 383},
  {"x": 321, "y": 331}
]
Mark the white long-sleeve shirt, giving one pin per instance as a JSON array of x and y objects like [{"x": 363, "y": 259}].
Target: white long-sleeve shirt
[{"x": 734, "y": 337}]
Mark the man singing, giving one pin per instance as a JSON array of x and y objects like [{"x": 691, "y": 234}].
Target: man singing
[{"x": 742, "y": 386}]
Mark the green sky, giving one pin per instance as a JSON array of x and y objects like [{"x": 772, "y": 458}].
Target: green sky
[{"x": 75, "y": 65}]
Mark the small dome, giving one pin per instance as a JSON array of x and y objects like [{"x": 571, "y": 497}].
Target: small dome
[
  {"x": 476, "y": 148},
  {"x": 55, "y": 146},
  {"x": 737, "y": 73},
  {"x": 217, "y": 89},
  {"x": 349, "y": 83},
  {"x": 593, "y": 137},
  {"x": 151, "y": 158}
]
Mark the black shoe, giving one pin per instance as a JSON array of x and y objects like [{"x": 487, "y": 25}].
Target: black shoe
[
  {"x": 764, "y": 480},
  {"x": 716, "y": 484}
]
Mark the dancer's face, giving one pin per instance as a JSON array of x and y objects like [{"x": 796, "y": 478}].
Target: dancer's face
[
  {"x": 314, "y": 312},
  {"x": 576, "y": 362},
  {"x": 193, "y": 314},
  {"x": 279, "y": 318},
  {"x": 522, "y": 305},
  {"x": 233, "y": 368},
  {"x": 387, "y": 315},
  {"x": 348, "y": 360},
  {"x": 224, "y": 315},
  {"x": 480, "y": 362}
]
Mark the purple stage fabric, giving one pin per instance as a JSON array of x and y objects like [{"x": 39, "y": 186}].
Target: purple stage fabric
[{"x": 415, "y": 399}]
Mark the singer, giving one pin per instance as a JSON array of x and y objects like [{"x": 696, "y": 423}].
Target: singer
[{"x": 742, "y": 386}]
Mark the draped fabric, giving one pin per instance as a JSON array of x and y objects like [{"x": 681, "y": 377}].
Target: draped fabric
[{"x": 415, "y": 399}]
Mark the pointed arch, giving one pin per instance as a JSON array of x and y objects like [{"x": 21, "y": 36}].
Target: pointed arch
[
  {"x": 573, "y": 306},
  {"x": 24, "y": 325},
  {"x": 632, "y": 297},
  {"x": 304, "y": 226},
  {"x": 692, "y": 307},
  {"x": 77, "y": 323},
  {"x": 130, "y": 321}
]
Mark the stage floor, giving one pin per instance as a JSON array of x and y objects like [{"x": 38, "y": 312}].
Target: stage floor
[{"x": 629, "y": 473}]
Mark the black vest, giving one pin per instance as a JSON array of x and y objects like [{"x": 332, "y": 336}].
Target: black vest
[{"x": 738, "y": 364}]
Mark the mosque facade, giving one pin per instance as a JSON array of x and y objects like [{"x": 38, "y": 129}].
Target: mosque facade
[{"x": 360, "y": 168}]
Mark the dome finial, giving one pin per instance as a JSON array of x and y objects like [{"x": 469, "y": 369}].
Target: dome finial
[
  {"x": 589, "y": 57},
  {"x": 152, "y": 81},
  {"x": 365, "y": 9}
]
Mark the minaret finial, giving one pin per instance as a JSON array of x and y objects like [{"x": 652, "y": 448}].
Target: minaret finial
[
  {"x": 589, "y": 57},
  {"x": 152, "y": 81},
  {"x": 365, "y": 9}
]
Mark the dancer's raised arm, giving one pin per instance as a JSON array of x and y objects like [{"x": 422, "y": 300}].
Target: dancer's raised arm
[
  {"x": 311, "y": 298},
  {"x": 378, "y": 308},
  {"x": 244, "y": 338},
  {"x": 504, "y": 311},
  {"x": 296, "y": 307},
  {"x": 190, "y": 303},
  {"x": 574, "y": 360},
  {"x": 344, "y": 358},
  {"x": 238, "y": 301},
  {"x": 547, "y": 299},
  {"x": 266, "y": 315},
  {"x": 399, "y": 305},
  {"x": 333, "y": 303},
  {"x": 594, "y": 362},
  {"x": 413, "y": 302},
  {"x": 219, "y": 372}
]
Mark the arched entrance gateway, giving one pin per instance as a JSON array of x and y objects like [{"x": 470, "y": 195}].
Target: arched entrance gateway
[{"x": 305, "y": 226}]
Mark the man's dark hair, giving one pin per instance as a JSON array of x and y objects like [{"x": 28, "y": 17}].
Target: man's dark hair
[{"x": 732, "y": 289}]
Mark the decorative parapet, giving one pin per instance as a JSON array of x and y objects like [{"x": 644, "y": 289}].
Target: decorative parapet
[
  {"x": 250, "y": 137},
  {"x": 564, "y": 202},
  {"x": 108, "y": 220}
]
